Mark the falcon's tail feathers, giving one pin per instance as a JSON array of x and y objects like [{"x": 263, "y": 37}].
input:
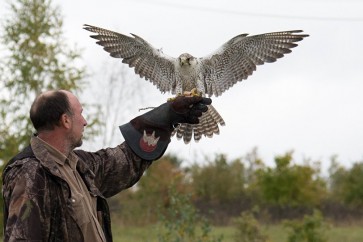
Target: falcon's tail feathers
[{"x": 208, "y": 126}]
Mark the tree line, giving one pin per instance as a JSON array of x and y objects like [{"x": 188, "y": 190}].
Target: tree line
[{"x": 222, "y": 189}]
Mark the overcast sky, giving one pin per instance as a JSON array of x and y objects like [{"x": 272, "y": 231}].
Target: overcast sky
[{"x": 310, "y": 101}]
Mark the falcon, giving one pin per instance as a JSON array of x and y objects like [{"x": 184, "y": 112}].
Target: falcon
[{"x": 211, "y": 75}]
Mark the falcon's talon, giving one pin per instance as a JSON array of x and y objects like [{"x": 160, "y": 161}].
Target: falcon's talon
[
  {"x": 170, "y": 99},
  {"x": 192, "y": 93},
  {"x": 195, "y": 92}
]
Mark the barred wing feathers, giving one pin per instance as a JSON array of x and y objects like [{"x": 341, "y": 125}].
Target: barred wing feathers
[
  {"x": 148, "y": 62},
  {"x": 237, "y": 59}
]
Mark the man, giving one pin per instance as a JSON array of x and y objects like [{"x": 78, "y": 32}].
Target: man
[{"x": 55, "y": 193}]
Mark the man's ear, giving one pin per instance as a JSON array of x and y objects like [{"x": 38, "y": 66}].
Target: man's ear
[{"x": 65, "y": 121}]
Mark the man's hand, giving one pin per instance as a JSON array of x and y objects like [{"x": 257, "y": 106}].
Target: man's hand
[{"x": 188, "y": 109}]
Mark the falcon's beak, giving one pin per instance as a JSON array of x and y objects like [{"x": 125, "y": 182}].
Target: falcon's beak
[{"x": 183, "y": 61}]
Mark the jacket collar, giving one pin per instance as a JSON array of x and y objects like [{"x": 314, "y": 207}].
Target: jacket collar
[
  {"x": 47, "y": 160},
  {"x": 45, "y": 157}
]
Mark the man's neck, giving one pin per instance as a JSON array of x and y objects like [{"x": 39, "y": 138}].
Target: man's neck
[{"x": 55, "y": 140}]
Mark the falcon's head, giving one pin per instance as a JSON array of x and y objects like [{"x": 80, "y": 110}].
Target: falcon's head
[{"x": 187, "y": 59}]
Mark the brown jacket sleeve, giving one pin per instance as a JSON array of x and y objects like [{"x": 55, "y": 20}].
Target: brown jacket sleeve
[{"x": 115, "y": 169}]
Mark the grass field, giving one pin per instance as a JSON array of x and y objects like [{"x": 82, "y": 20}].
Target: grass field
[{"x": 276, "y": 233}]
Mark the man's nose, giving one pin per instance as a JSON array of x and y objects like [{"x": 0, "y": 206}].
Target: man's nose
[{"x": 84, "y": 122}]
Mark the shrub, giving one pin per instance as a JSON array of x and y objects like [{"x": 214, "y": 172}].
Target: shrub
[
  {"x": 182, "y": 222},
  {"x": 310, "y": 229},
  {"x": 248, "y": 229}
]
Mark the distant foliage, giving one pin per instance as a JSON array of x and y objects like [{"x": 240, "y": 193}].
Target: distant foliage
[
  {"x": 139, "y": 206},
  {"x": 346, "y": 184},
  {"x": 289, "y": 184},
  {"x": 182, "y": 222},
  {"x": 221, "y": 189},
  {"x": 248, "y": 229},
  {"x": 310, "y": 229},
  {"x": 227, "y": 183}
]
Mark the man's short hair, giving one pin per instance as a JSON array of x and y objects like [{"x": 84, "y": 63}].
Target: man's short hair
[{"x": 47, "y": 109}]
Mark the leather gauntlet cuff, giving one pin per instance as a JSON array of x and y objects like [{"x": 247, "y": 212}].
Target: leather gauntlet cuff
[
  {"x": 148, "y": 135},
  {"x": 147, "y": 142}
]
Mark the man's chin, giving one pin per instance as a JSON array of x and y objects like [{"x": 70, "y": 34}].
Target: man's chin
[{"x": 77, "y": 144}]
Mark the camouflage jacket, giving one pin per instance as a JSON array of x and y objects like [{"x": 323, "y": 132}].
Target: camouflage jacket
[{"x": 37, "y": 204}]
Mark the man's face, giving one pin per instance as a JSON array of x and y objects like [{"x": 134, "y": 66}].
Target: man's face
[{"x": 78, "y": 122}]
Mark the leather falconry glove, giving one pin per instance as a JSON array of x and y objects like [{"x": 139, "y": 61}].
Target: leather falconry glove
[{"x": 148, "y": 135}]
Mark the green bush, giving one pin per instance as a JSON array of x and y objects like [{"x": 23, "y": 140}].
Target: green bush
[
  {"x": 248, "y": 229},
  {"x": 290, "y": 185},
  {"x": 182, "y": 223},
  {"x": 310, "y": 229}
]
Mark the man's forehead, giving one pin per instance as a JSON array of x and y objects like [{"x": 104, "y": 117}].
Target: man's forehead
[
  {"x": 73, "y": 100},
  {"x": 47, "y": 93}
]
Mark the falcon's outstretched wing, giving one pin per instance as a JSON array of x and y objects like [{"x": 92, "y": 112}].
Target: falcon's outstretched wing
[
  {"x": 149, "y": 62},
  {"x": 237, "y": 59}
]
